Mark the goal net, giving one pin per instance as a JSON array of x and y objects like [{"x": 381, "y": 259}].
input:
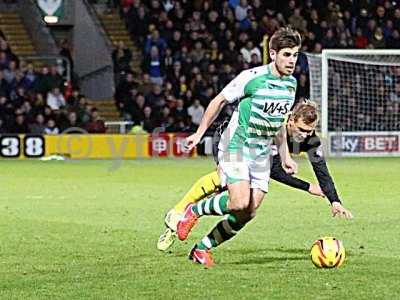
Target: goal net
[{"x": 358, "y": 92}]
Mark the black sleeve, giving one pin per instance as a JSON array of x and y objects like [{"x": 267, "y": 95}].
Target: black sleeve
[
  {"x": 215, "y": 141},
  {"x": 279, "y": 174},
  {"x": 321, "y": 171},
  {"x": 216, "y": 138}
]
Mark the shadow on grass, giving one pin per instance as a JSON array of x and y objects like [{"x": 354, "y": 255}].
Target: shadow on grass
[
  {"x": 256, "y": 256},
  {"x": 266, "y": 259},
  {"x": 265, "y": 256},
  {"x": 178, "y": 254},
  {"x": 301, "y": 251},
  {"x": 246, "y": 251}
]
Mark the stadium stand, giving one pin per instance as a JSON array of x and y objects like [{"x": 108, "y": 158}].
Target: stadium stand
[
  {"x": 188, "y": 51},
  {"x": 191, "y": 49},
  {"x": 34, "y": 96}
]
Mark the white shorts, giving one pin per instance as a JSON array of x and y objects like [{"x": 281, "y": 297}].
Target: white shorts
[{"x": 233, "y": 168}]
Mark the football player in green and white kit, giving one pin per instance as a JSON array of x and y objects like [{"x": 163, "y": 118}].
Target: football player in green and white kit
[{"x": 266, "y": 95}]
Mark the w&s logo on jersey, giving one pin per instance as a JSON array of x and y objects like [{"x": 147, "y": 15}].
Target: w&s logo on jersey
[{"x": 276, "y": 108}]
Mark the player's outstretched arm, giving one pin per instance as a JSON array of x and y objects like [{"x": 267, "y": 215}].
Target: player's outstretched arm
[
  {"x": 339, "y": 210},
  {"x": 288, "y": 164},
  {"x": 279, "y": 174},
  {"x": 212, "y": 111},
  {"x": 325, "y": 180}
]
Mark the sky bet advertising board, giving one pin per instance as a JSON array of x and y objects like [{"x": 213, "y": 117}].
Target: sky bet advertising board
[{"x": 364, "y": 144}]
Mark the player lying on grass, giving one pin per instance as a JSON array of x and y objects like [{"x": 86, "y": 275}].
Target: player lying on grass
[{"x": 301, "y": 138}]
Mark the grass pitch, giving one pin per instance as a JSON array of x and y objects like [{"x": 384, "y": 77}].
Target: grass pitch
[{"x": 88, "y": 230}]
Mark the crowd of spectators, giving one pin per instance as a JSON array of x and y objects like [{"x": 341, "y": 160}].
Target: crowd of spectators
[
  {"x": 193, "y": 48},
  {"x": 41, "y": 102}
]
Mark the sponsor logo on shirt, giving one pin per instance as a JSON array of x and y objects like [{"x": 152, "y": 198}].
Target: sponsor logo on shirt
[{"x": 276, "y": 108}]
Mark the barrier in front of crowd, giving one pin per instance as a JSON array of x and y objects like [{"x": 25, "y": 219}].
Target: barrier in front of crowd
[{"x": 96, "y": 146}]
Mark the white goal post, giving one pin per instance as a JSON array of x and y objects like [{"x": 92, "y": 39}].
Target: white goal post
[{"x": 358, "y": 91}]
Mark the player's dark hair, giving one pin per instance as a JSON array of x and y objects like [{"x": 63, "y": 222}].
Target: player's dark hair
[
  {"x": 285, "y": 37},
  {"x": 307, "y": 111}
]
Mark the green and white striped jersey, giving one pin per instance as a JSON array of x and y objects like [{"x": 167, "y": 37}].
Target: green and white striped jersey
[{"x": 265, "y": 101}]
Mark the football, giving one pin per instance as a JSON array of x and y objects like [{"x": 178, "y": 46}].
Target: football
[{"x": 327, "y": 252}]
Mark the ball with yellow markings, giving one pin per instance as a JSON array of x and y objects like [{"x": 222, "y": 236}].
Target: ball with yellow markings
[{"x": 327, "y": 252}]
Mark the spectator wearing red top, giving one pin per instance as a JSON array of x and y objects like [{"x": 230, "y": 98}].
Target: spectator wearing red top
[
  {"x": 360, "y": 41},
  {"x": 96, "y": 124},
  {"x": 126, "y": 4}
]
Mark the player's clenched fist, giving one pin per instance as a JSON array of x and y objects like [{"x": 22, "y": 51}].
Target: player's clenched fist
[
  {"x": 192, "y": 141},
  {"x": 316, "y": 190},
  {"x": 289, "y": 165}
]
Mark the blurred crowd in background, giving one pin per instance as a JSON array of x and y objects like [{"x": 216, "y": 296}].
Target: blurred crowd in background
[
  {"x": 41, "y": 102},
  {"x": 192, "y": 49}
]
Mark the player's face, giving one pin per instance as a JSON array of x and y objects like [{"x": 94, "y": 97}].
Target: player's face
[
  {"x": 300, "y": 130},
  {"x": 285, "y": 60}
]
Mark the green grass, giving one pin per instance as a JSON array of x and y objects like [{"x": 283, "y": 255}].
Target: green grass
[{"x": 88, "y": 230}]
